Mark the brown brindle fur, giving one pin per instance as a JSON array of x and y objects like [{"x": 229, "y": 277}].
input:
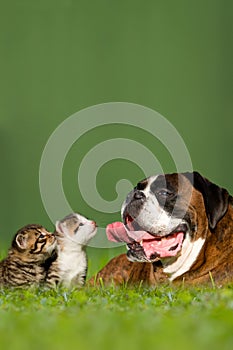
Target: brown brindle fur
[
  {"x": 28, "y": 258},
  {"x": 216, "y": 258},
  {"x": 214, "y": 263},
  {"x": 121, "y": 271}
]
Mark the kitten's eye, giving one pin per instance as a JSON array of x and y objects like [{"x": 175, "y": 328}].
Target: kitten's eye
[
  {"x": 81, "y": 224},
  {"x": 164, "y": 193},
  {"x": 41, "y": 235}
]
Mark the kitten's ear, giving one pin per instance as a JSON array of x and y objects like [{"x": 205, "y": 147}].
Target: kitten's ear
[{"x": 21, "y": 241}]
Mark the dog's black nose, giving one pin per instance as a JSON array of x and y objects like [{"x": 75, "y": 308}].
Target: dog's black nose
[
  {"x": 139, "y": 195},
  {"x": 142, "y": 185}
]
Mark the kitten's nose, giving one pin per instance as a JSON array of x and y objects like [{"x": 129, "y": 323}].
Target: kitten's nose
[{"x": 93, "y": 223}]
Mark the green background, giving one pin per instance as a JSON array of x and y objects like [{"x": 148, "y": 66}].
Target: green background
[{"x": 58, "y": 57}]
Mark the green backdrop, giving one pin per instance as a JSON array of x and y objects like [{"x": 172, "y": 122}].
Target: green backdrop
[{"x": 60, "y": 56}]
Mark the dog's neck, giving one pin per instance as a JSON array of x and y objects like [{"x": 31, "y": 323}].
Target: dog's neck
[
  {"x": 189, "y": 254},
  {"x": 206, "y": 252}
]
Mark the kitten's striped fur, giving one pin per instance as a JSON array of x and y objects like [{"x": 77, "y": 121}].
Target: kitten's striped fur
[
  {"x": 70, "y": 268},
  {"x": 31, "y": 252}
]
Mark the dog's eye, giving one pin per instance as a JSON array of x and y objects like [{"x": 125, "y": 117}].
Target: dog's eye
[{"x": 164, "y": 193}]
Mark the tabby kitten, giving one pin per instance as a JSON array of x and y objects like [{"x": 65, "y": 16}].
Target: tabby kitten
[
  {"x": 70, "y": 268},
  {"x": 32, "y": 250}
]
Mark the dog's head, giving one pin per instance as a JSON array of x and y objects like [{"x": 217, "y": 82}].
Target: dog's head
[{"x": 168, "y": 216}]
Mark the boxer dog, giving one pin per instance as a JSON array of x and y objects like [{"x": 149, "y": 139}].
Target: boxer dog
[{"x": 177, "y": 227}]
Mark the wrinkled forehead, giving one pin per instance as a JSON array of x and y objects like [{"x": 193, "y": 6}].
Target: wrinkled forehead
[{"x": 176, "y": 183}]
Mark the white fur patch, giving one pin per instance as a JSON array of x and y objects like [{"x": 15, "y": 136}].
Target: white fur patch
[
  {"x": 72, "y": 259},
  {"x": 72, "y": 262},
  {"x": 189, "y": 253}
]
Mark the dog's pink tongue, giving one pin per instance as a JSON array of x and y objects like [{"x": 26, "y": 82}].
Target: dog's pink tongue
[{"x": 116, "y": 232}]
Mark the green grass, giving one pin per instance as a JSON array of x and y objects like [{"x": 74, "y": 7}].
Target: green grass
[{"x": 117, "y": 318}]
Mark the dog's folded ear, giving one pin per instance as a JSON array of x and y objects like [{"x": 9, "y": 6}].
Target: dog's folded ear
[{"x": 216, "y": 199}]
